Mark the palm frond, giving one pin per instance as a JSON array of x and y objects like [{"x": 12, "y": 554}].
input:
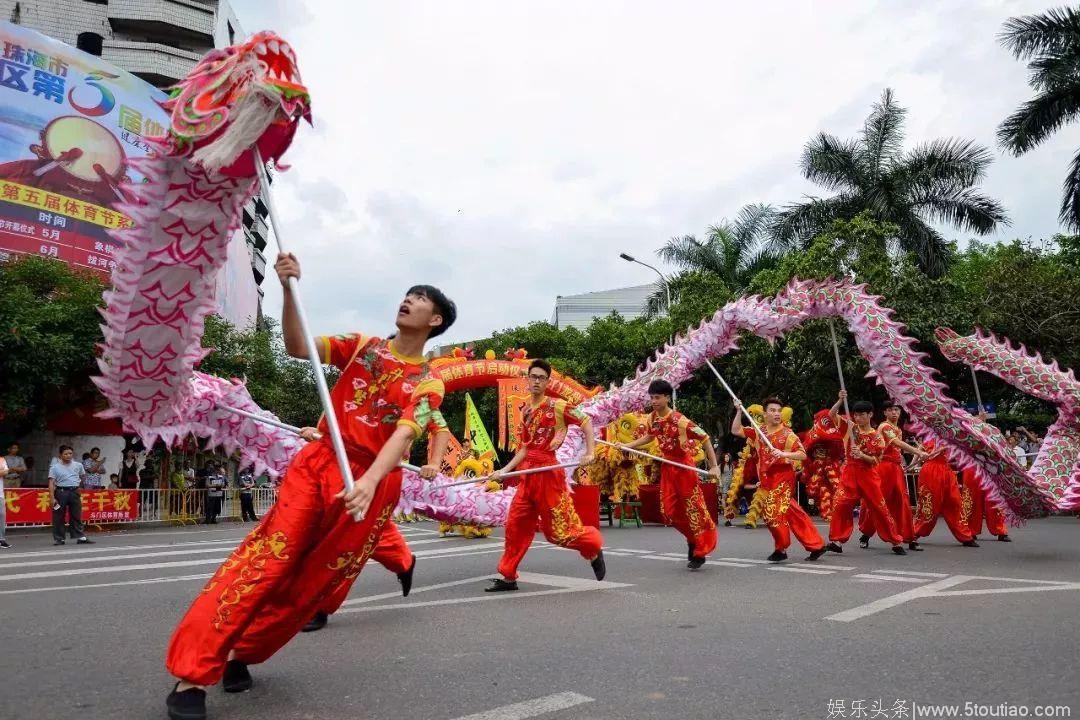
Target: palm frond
[
  {"x": 1054, "y": 71},
  {"x": 951, "y": 161},
  {"x": 1054, "y": 31},
  {"x": 752, "y": 223},
  {"x": 931, "y": 250},
  {"x": 883, "y": 134},
  {"x": 1039, "y": 118},
  {"x": 689, "y": 253},
  {"x": 656, "y": 304},
  {"x": 1070, "y": 201},
  {"x": 796, "y": 225},
  {"x": 832, "y": 163},
  {"x": 963, "y": 208}
]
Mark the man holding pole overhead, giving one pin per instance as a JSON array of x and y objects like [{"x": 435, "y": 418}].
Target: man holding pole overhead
[
  {"x": 681, "y": 499},
  {"x": 543, "y": 495},
  {"x": 783, "y": 515},
  {"x": 310, "y": 543}
]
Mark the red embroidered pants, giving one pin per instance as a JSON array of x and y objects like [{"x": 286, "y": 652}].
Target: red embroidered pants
[
  {"x": 303, "y": 551},
  {"x": 894, "y": 489},
  {"x": 544, "y": 499},
  {"x": 860, "y": 483},
  {"x": 683, "y": 505},
  {"x": 784, "y": 515},
  {"x": 977, "y": 505},
  {"x": 392, "y": 552},
  {"x": 939, "y": 496}
]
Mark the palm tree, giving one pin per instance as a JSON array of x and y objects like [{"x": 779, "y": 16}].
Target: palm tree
[
  {"x": 1051, "y": 41},
  {"x": 935, "y": 182},
  {"x": 732, "y": 251}
]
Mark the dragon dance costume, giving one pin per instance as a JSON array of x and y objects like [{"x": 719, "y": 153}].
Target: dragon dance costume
[
  {"x": 783, "y": 514},
  {"x": 977, "y": 505},
  {"x": 939, "y": 497},
  {"x": 859, "y": 481},
  {"x": 893, "y": 484}
]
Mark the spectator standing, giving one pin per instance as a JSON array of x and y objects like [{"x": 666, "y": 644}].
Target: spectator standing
[
  {"x": 65, "y": 476},
  {"x": 95, "y": 469},
  {"x": 215, "y": 493},
  {"x": 4, "y": 544},
  {"x": 129, "y": 471},
  {"x": 189, "y": 475},
  {"x": 17, "y": 472},
  {"x": 1018, "y": 450},
  {"x": 247, "y": 496},
  {"x": 114, "y": 482}
]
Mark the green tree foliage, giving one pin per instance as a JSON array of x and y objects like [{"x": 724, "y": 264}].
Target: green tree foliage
[{"x": 49, "y": 326}]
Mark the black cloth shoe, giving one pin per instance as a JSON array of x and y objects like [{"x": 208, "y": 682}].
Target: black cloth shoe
[
  {"x": 237, "y": 679},
  {"x": 316, "y": 623},
  {"x": 913, "y": 545},
  {"x": 970, "y": 543},
  {"x": 84, "y": 541},
  {"x": 815, "y": 554},
  {"x": 599, "y": 568},
  {"x": 187, "y": 705},
  {"x": 727, "y": 523},
  {"x": 777, "y": 556},
  {"x": 1004, "y": 538},
  {"x": 834, "y": 547},
  {"x": 864, "y": 541},
  {"x": 695, "y": 563},
  {"x": 899, "y": 550},
  {"x": 405, "y": 578},
  {"x": 500, "y": 585}
]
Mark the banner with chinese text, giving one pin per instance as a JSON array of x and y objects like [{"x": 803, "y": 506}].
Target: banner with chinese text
[
  {"x": 69, "y": 124},
  {"x": 34, "y": 506}
]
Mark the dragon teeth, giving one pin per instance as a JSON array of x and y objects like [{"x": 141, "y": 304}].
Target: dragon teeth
[
  {"x": 275, "y": 46},
  {"x": 260, "y": 49}
]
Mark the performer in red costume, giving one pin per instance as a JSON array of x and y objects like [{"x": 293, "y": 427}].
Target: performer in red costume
[
  {"x": 939, "y": 496},
  {"x": 309, "y": 544},
  {"x": 681, "y": 499},
  {"x": 858, "y": 478},
  {"x": 544, "y": 495},
  {"x": 893, "y": 483},
  {"x": 824, "y": 446},
  {"x": 783, "y": 515},
  {"x": 976, "y": 504}
]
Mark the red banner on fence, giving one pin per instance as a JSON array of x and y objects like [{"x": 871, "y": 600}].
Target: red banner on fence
[{"x": 33, "y": 505}]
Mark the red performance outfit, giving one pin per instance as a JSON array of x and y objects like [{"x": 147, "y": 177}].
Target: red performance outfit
[
  {"x": 859, "y": 481},
  {"x": 783, "y": 515},
  {"x": 939, "y": 496},
  {"x": 544, "y": 495},
  {"x": 975, "y": 505},
  {"x": 894, "y": 489},
  {"x": 681, "y": 499},
  {"x": 307, "y": 548},
  {"x": 824, "y": 446}
]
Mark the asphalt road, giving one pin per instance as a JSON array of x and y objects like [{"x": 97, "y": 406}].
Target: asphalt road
[{"x": 83, "y": 630}]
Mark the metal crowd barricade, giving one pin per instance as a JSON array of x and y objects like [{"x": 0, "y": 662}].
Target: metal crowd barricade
[{"x": 169, "y": 505}]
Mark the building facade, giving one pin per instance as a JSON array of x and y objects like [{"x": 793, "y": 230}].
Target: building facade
[
  {"x": 159, "y": 41},
  {"x": 580, "y": 310}
]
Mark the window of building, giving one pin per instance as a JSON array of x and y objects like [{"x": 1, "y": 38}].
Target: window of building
[
  {"x": 232, "y": 33},
  {"x": 89, "y": 42}
]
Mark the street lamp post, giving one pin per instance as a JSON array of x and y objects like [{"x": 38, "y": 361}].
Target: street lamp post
[{"x": 667, "y": 290}]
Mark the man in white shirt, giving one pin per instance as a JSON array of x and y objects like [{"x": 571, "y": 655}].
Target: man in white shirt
[
  {"x": 4, "y": 544},
  {"x": 65, "y": 476}
]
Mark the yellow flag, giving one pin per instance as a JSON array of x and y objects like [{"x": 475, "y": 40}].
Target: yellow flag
[{"x": 474, "y": 428}]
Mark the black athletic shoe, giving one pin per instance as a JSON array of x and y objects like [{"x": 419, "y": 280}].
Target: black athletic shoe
[
  {"x": 727, "y": 523},
  {"x": 816, "y": 554},
  {"x": 84, "y": 541},
  {"x": 405, "y": 578},
  {"x": 1004, "y": 538},
  {"x": 187, "y": 705},
  {"x": 835, "y": 548},
  {"x": 899, "y": 550},
  {"x": 5, "y": 544},
  {"x": 864, "y": 541},
  {"x": 970, "y": 543},
  {"x": 695, "y": 563},
  {"x": 57, "y": 542},
  {"x": 598, "y": 567},
  {"x": 500, "y": 585},
  {"x": 913, "y": 545},
  {"x": 748, "y": 526},
  {"x": 777, "y": 556},
  {"x": 237, "y": 679},
  {"x": 316, "y": 623}
]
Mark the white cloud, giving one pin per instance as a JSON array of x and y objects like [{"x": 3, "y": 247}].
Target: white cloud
[{"x": 509, "y": 151}]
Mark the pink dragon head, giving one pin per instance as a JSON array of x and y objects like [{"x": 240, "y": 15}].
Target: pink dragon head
[{"x": 236, "y": 98}]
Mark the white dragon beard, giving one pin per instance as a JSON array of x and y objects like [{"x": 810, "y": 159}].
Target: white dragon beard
[{"x": 249, "y": 119}]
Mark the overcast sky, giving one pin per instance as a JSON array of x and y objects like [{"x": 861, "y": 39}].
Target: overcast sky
[{"x": 509, "y": 151}]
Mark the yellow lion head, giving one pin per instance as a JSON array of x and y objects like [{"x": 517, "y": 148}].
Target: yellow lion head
[{"x": 479, "y": 466}]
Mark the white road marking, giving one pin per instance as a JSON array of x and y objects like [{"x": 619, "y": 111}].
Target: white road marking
[
  {"x": 892, "y": 578},
  {"x": 16, "y": 557},
  {"x": 531, "y": 708},
  {"x": 818, "y": 565},
  {"x": 912, "y": 572},
  {"x": 147, "y": 581},
  {"x": 415, "y": 590},
  {"x": 111, "y": 569},
  {"x": 894, "y": 600},
  {"x": 808, "y": 571},
  {"x": 746, "y": 560},
  {"x": 562, "y": 585},
  {"x": 110, "y": 558}
]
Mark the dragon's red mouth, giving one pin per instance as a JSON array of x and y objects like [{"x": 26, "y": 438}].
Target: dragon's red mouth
[{"x": 280, "y": 61}]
